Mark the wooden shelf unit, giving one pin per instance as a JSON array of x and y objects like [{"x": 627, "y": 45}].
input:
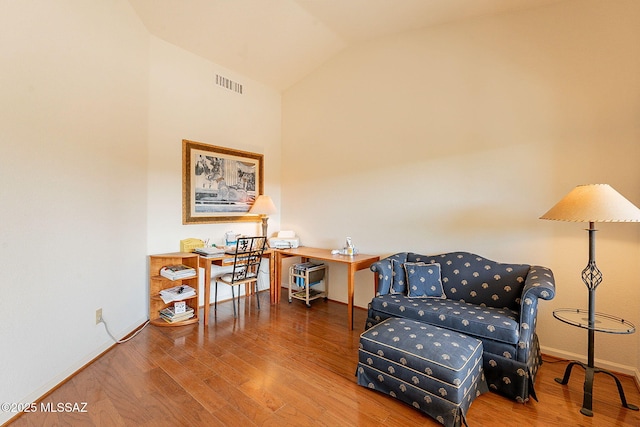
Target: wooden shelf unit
[{"x": 158, "y": 283}]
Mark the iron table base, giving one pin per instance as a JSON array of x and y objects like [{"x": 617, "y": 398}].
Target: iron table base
[{"x": 587, "y": 400}]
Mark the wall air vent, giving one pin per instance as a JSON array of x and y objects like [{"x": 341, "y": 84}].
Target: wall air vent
[{"x": 228, "y": 84}]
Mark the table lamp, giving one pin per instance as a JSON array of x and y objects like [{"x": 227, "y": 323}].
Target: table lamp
[
  {"x": 263, "y": 206},
  {"x": 592, "y": 203}
]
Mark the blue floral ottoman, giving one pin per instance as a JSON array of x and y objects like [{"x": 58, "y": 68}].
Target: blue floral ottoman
[{"x": 436, "y": 370}]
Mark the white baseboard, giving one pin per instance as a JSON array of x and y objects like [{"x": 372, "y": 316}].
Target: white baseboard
[
  {"x": 42, "y": 391},
  {"x": 631, "y": 371},
  {"x": 63, "y": 376}
]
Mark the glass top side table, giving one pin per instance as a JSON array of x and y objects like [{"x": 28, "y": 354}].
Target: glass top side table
[
  {"x": 593, "y": 322},
  {"x": 602, "y": 322}
]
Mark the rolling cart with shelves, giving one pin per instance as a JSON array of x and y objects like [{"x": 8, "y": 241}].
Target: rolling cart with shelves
[
  {"x": 158, "y": 283},
  {"x": 301, "y": 279}
]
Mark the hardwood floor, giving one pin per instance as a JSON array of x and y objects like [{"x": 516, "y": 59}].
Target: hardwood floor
[{"x": 285, "y": 365}]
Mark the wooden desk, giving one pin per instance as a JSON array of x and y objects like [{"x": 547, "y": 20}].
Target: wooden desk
[
  {"x": 225, "y": 260},
  {"x": 354, "y": 263}
]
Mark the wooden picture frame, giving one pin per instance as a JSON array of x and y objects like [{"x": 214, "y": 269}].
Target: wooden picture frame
[{"x": 219, "y": 184}]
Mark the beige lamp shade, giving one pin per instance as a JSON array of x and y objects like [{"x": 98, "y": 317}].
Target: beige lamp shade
[
  {"x": 594, "y": 203},
  {"x": 263, "y": 206}
]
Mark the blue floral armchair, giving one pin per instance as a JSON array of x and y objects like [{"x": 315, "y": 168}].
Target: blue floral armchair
[{"x": 494, "y": 302}]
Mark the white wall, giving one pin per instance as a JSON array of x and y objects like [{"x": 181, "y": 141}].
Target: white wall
[
  {"x": 185, "y": 103},
  {"x": 459, "y": 137},
  {"x": 73, "y": 133},
  {"x": 93, "y": 114}
]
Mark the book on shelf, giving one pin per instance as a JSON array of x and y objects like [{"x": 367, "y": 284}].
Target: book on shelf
[
  {"x": 169, "y": 315},
  {"x": 176, "y": 319},
  {"x": 177, "y": 293},
  {"x": 171, "y": 311},
  {"x": 178, "y": 271}
]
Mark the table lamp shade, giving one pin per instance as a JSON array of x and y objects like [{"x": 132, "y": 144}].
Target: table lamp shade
[
  {"x": 263, "y": 206},
  {"x": 594, "y": 203}
]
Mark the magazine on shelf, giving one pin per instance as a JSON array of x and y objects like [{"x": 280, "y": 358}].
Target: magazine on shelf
[
  {"x": 179, "y": 271},
  {"x": 169, "y": 314},
  {"x": 177, "y": 293},
  {"x": 177, "y": 318}
]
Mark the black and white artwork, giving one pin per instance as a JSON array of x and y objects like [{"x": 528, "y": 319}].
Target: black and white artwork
[{"x": 220, "y": 184}]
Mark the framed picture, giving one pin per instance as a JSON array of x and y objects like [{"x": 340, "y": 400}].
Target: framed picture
[{"x": 219, "y": 184}]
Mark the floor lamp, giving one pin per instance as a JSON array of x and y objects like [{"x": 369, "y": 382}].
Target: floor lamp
[
  {"x": 264, "y": 207},
  {"x": 593, "y": 203}
]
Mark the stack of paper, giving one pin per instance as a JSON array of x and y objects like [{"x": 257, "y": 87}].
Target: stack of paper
[{"x": 177, "y": 293}]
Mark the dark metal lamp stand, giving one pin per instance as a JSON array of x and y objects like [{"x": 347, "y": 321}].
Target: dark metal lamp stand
[{"x": 592, "y": 277}]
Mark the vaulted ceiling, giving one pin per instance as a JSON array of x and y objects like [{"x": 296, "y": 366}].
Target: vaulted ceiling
[{"x": 277, "y": 42}]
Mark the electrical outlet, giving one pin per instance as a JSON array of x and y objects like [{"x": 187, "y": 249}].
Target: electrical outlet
[{"x": 98, "y": 316}]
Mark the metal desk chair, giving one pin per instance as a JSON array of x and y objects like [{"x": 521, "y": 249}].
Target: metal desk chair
[{"x": 246, "y": 264}]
